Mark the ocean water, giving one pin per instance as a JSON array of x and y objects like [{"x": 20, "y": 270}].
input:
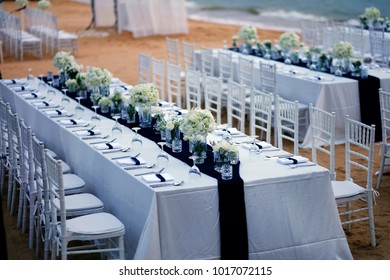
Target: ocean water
[{"x": 280, "y": 14}]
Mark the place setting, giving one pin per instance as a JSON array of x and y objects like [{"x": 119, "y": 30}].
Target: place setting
[
  {"x": 57, "y": 113},
  {"x": 44, "y": 104}
]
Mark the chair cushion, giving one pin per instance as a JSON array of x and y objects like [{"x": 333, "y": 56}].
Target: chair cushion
[
  {"x": 82, "y": 201},
  {"x": 65, "y": 167},
  {"x": 73, "y": 183},
  {"x": 343, "y": 189},
  {"x": 98, "y": 223}
]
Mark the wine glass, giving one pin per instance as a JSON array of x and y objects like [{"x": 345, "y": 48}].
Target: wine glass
[
  {"x": 254, "y": 149},
  {"x": 117, "y": 127},
  {"x": 162, "y": 157},
  {"x": 65, "y": 98},
  {"x": 51, "y": 92},
  {"x": 136, "y": 142},
  {"x": 194, "y": 172},
  {"x": 79, "y": 109},
  {"x": 95, "y": 117},
  {"x": 30, "y": 76}
]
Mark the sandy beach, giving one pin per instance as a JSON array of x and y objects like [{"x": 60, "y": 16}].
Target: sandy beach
[{"x": 103, "y": 47}]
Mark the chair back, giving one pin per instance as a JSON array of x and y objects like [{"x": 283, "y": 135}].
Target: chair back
[
  {"x": 193, "y": 91},
  {"x": 174, "y": 84},
  {"x": 225, "y": 63},
  {"x": 323, "y": 126},
  {"x": 268, "y": 78},
  {"x": 144, "y": 68},
  {"x": 359, "y": 148},
  {"x": 56, "y": 191},
  {"x": 355, "y": 36},
  {"x": 173, "y": 50},
  {"x": 377, "y": 45},
  {"x": 158, "y": 76},
  {"x": 261, "y": 114},
  {"x": 27, "y": 156},
  {"x": 207, "y": 61},
  {"x": 384, "y": 101},
  {"x": 189, "y": 56},
  {"x": 287, "y": 122},
  {"x": 236, "y": 105},
  {"x": 213, "y": 96},
  {"x": 245, "y": 71}
]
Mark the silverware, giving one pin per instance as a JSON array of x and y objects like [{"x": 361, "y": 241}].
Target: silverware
[
  {"x": 95, "y": 137},
  {"x": 140, "y": 167},
  {"x": 151, "y": 172},
  {"x": 165, "y": 184},
  {"x": 293, "y": 166},
  {"x": 80, "y": 125},
  {"x": 278, "y": 156}
]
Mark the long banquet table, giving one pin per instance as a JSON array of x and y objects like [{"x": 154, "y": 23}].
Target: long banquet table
[
  {"x": 291, "y": 213},
  {"x": 330, "y": 93}
]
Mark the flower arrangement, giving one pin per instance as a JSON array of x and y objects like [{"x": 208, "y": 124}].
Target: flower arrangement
[
  {"x": 73, "y": 69},
  {"x": 97, "y": 77},
  {"x": 146, "y": 94},
  {"x": 104, "y": 101},
  {"x": 372, "y": 13},
  {"x": 225, "y": 149},
  {"x": 289, "y": 41},
  {"x": 342, "y": 49},
  {"x": 267, "y": 44},
  {"x": 197, "y": 122},
  {"x": 63, "y": 59},
  {"x": 117, "y": 98},
  {"x": 44, "y": 4},
  {"x": 248, "y": 34},
  {"x": 172, "y": 126},
  {"x": 71, "y": 83},
  {"x": 22, "y": 3},
  {"x": 80, "y": 78},
  {"x": 234, "y": 39}
]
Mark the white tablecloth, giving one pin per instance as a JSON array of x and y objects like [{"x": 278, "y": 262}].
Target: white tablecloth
[{"x": 291, "y": 213}]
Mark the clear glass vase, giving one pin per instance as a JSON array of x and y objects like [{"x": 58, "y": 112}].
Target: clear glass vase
[
  {"x": 198, "y": 148},
  {"x": 145, "y": 115}
]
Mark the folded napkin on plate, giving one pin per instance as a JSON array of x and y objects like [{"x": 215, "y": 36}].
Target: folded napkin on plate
[
  {"x": 105, "y": 146},
  {"x": 10, "y": 82},
  {"x": 44, "y": 104},
  {"x": 56, "y": 112},
  {"x": 293, "y": 160},
  {"x": 72, "y": 122},
  {"x": 131, "y": 161},
  {"x": 19, "y": 88},
  {"x": 261, "y": 145},
  {"x": 88, "y": 132},
  {"x": 31, "y": 95},
  {"x": 157, "y": 178},
  {"x": 181, "y": 111},
  {"x": 163, "y": 104},
  {"x": 232, "y": 131}
]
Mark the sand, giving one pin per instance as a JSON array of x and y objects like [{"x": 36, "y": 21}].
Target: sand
[{"x": 103, "y": 47}]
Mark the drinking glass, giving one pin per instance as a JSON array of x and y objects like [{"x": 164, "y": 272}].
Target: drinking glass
[
  {"x": 51, "y": 92},
  {"x": 194, "y": 172},
  {"x": 136, "y": 142},
  {"x": 117, "y": 127},
  {"x": 30, "y": 76},
  {"x": 79, "y": 109},
  {"x": 254, "y": 149},
  {"x": 65, "y": 98},
  {"x": 95, "y": 117},
  {"x": 162, "y": 157}
]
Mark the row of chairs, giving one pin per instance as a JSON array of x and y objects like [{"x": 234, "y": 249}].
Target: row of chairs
[
  {"x": 51, "y": 198},
  {"x": 16, "y": 40},
  {"x": 43, "y": 24},
  {"x": 327, "y": 33}
]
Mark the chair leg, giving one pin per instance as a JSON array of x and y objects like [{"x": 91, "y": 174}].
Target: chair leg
[
  {"x": 24, "y": 218},
  {"x": 10, "y": 183},
  {"x": 31, "y": 222},
  {"x": 371, "y": 219},
  {"x": 381, "y": 167},
  {"x": 21, "y": 204}
]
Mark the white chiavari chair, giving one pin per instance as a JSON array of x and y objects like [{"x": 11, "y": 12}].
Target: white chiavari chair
[
  {"x": 144, "y": 68},
  {"x": 189, "y": 56},
  {"x": 384, "y": 101},
  {"x": 213, "y": 96},
  {"x": 261, "y": 114},
  {"x": 207, "y": 61},
  {"x": 193, "y": 89},
  {"x": 287, "y": 122},
  {"x": 236, "y": 110},
  {"x": 174, "y": 84},
  {"x": 103, "y": 230},
  {"x": 173, "y": 50},
  {"x": 377, "y": 46},
  {"x": 359, "y": 152},
  {"x": 158, "y": 76},
  {"x": 323, "y": 126}
]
